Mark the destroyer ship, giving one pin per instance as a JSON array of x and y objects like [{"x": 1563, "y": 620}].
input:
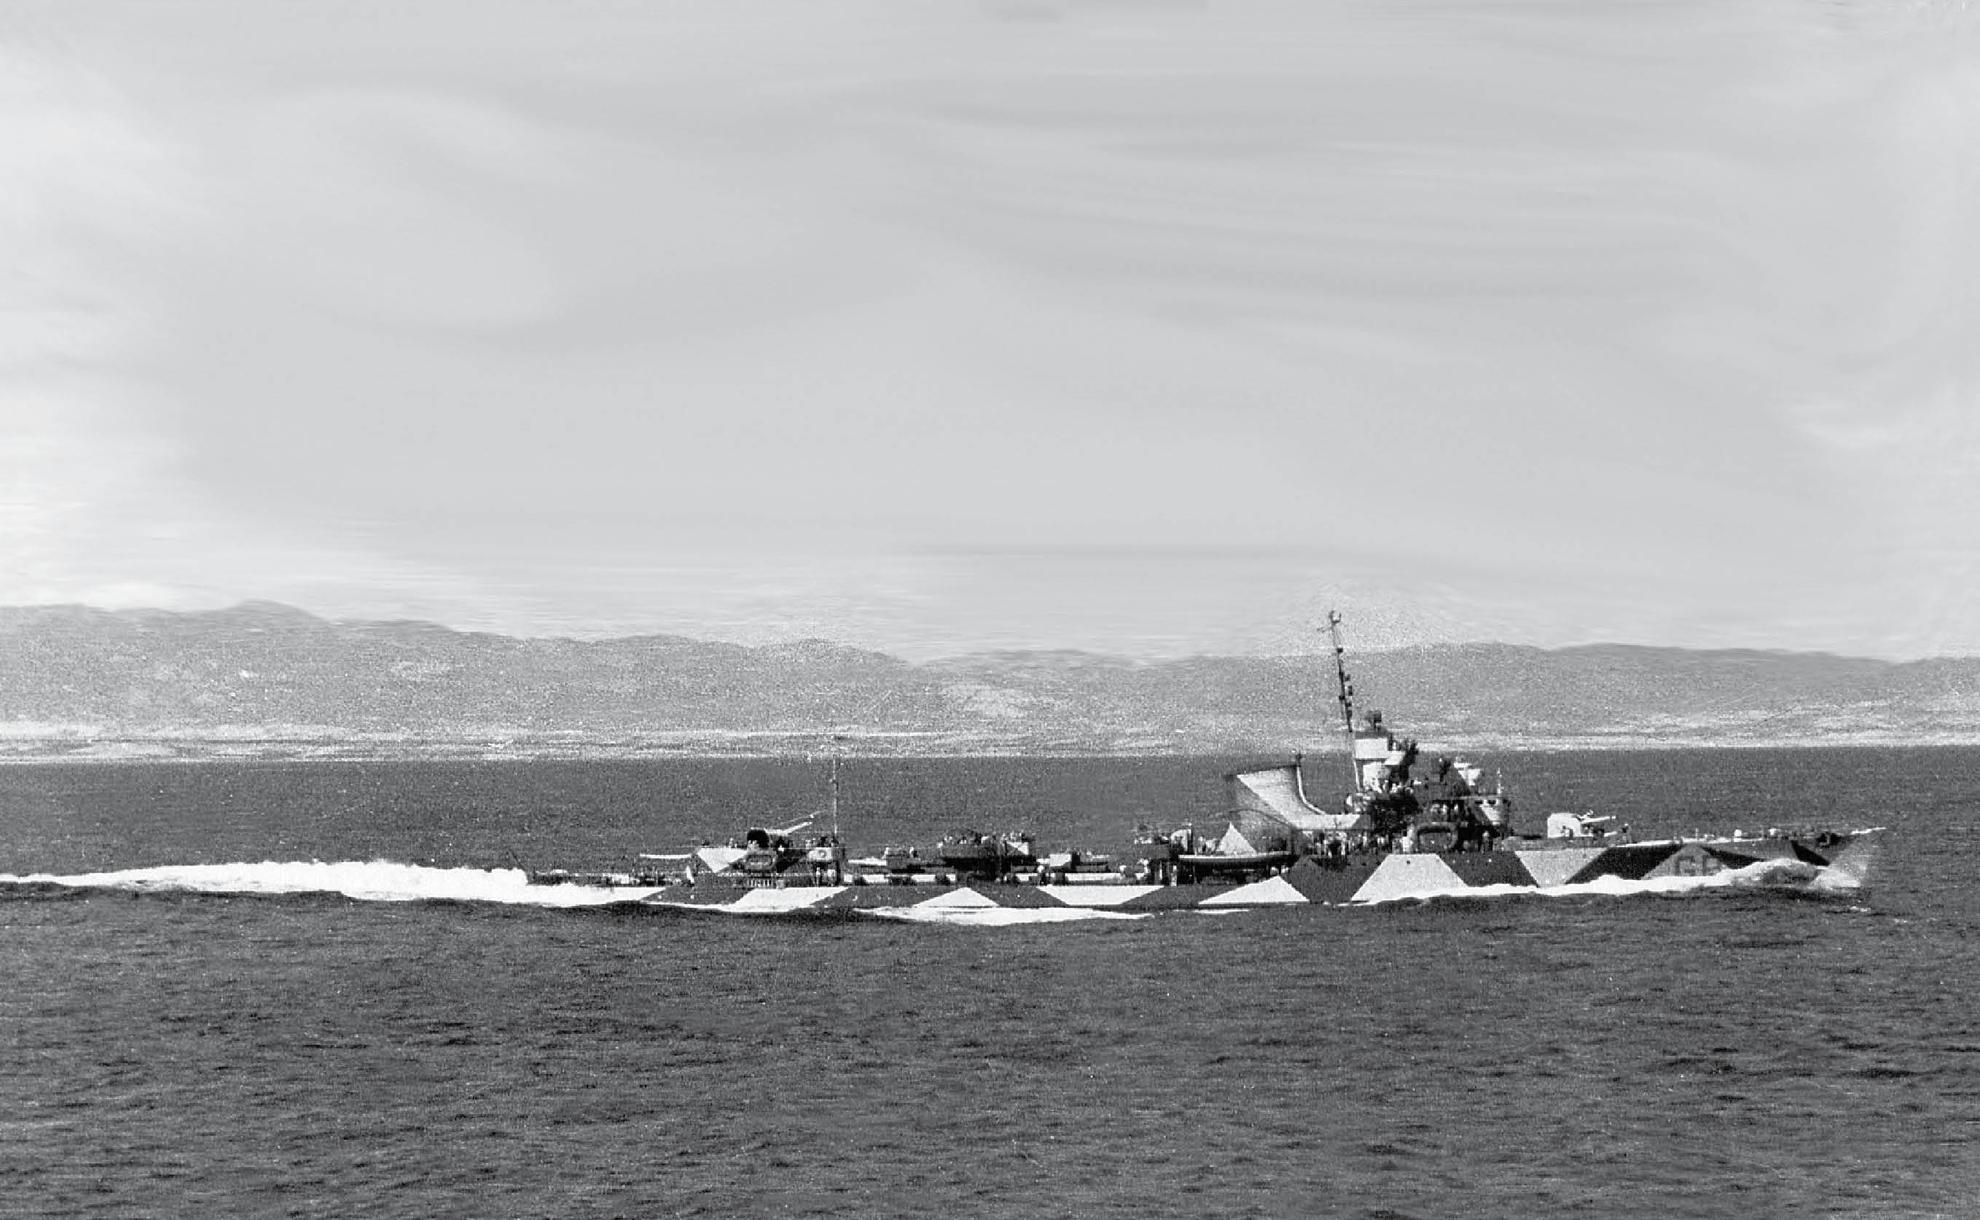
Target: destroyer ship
[{"x": 1407, "y": 830}]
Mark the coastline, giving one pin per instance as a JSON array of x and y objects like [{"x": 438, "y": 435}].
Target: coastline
[{"x": 330, "y": 746}]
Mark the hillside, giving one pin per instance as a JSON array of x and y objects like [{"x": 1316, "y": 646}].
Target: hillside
[{"x": 265, "y": 679}]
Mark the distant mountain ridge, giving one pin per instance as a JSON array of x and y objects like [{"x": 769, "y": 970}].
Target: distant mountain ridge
[{"x": 262, "y": 678}]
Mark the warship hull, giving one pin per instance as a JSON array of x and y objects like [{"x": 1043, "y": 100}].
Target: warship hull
[
  {"x": 1400, "y": 835},
  {"x": 1829, "y": 864}
]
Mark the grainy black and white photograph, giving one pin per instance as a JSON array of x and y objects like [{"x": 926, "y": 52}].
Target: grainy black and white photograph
[{"x": 990, "y": 608}]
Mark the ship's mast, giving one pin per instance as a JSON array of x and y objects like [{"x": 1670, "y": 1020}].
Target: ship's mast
[
  {"x": 1346, "y": 695},
  {"x": 832, "y": 780}
]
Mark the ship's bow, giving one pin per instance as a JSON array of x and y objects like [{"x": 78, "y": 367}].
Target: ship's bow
[{"x": 1850, "y": 865}]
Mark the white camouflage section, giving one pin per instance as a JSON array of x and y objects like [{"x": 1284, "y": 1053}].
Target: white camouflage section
[
  {"x": 1272, "y": 890},
  {"x": 1409, "y": 876},
  {"x": 962, "y": 899},
  {"x": 719, "y": 859},
  {"x": 777, "y": 902}
]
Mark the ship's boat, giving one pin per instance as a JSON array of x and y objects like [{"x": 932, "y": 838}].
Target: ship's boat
[
  {"x": 1082, "y": 868},
  {"x": 1405, "y": 830},
  {"x": 981, "y": 857}
]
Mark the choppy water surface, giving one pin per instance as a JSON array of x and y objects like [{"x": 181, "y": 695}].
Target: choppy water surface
[{"x": 177, "y": 1052}]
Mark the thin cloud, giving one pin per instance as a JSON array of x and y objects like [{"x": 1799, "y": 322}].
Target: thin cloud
[{"x": 1508, "y": 313}]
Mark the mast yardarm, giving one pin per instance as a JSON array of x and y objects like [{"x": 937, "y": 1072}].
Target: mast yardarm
[{"x": 1346, "y": 696}]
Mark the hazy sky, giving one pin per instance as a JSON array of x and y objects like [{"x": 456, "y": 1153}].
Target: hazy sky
[{"x": 1152, "y": 327}]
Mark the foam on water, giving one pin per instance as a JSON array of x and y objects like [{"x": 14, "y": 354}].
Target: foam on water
[
  {"x": 996, "y": 917},
  {"x": 370, "y": 881},
  {"x": 1762, "y": 875}
]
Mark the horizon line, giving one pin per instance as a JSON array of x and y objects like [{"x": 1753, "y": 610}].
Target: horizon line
[{"x": 288, "y": 609}]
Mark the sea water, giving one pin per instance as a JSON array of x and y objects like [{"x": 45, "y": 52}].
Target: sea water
[{"x": 323, "y": 990}]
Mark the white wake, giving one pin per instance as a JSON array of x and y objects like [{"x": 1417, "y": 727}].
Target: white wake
[
  {"x": 997, "y": 917},
  {"x": 370, "y": 881}
]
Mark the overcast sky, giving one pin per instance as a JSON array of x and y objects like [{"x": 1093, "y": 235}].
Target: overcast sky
[{"x": 1149, "y": 327}]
